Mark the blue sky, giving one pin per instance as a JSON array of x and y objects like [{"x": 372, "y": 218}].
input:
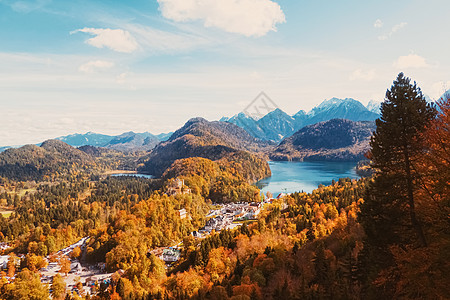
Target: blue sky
[{"x": 142, "y": 65}]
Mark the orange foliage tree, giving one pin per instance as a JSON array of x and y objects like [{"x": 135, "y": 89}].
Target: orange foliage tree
[{"x": 64, "y": 264}]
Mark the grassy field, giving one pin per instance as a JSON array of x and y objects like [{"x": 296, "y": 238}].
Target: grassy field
[
  {"x": 22, "y": 192},
  {"x": 6, "y": 213}
]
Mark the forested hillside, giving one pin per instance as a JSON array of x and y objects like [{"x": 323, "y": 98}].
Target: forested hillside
[
  {"x": 334, "y": 140},
  {"x": 53, "y": 158},
  {"x": 226, "y": 180},
  {"x": 200, "y": 138}
]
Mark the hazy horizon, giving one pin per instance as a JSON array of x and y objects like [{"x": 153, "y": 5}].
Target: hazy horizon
[
  {"x": 149, "y": 131},
  {"x": 74, "y": 67}
]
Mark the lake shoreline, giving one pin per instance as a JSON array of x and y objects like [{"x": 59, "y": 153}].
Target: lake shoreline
[{"x": 295, "y": 176}]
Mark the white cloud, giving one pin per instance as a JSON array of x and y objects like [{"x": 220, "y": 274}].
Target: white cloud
[
  {"x": 378, "y": 23},
  {"x": 394, "y": 29},
  {"x": 397, "y": 27},
  {"x": 122, "y": 77},
  {"x": 157, "y": 41},
  {"x": 116, "y": 39},
  {"x": 246, "y": 17},
  {"x": 126, "y": 79},
  {"x": 438, "y": 89},
  {"x": 411, "y": 61},
  {"x": 363, "y": 75},
  {"x": 26, "y": 6},
  {"x": 95, "y": 65}
]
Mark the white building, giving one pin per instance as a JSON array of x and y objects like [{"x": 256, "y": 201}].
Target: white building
[
  {"x": 4, "y": 246},
  {"x": 4, "y": 261},
  {"x": 170, "y": 255},
  {"x": 182, "y": 213}
]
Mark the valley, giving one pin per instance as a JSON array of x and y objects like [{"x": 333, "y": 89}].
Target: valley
[
  {"x": 212, "y": 210},
  {"x": 224, "y": 150}
]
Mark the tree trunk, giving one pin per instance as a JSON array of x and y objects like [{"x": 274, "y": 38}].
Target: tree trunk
[{"x": 409, "y": 185}]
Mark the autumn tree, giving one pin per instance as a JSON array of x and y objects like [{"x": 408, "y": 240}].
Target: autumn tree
[
  {"x": 64, "y": 264},
  {"x": 4, "y": 284},
  {"x": 124, "y": 288},
  {"x": 27, "y": 286},
  {"x": 220, "y": 264},
  {"x": 187, "y": 283},
  {"x": 435, "y": 165},
  {"x": 35, "y": 262},
  {"x": 422, "y": 272},
  {"x": 58, "y": 287},
  {"x": 12, "y": 261},
  {"x": 76, "y": 252},
  {"x": 79, "y": 285}
]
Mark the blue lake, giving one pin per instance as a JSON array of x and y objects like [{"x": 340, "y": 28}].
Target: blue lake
[{"x": 289, "y": 177}]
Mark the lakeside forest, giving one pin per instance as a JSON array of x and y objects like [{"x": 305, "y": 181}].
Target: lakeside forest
[{"x": 385, "y": 236}]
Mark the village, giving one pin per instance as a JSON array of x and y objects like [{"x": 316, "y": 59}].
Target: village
[
  {"x": 224, "y": 216},
  {"x": 81, "y": 279}
]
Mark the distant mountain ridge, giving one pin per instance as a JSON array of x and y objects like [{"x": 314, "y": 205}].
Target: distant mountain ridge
[
  {"x": 374, "y": 106},
  {"x": 89, "y": 138},
  {"x": 128, "y": 141},
  {"x": 4, "y": 148},
  {"x": 333, "y": 140},
  {"x": 277, "y": 124}
]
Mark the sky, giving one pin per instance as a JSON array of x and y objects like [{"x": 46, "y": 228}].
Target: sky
[{"x": 150, "y": 65}]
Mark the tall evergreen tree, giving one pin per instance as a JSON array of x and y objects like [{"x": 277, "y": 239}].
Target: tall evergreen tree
[
  {"x": 389, "y": 213},
  {"x": 395, "y": 147}
]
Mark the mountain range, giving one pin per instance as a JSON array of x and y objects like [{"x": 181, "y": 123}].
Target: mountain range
[
  {"x": 273, "y": 127},
  {"x": 128, "y": 141},
  {"x": 232, "y": 146},
  {"x": 335, "y": 130},
  {"x": 277, "y": 125}
]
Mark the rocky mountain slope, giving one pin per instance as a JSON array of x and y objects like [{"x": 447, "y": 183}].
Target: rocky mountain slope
[{"x": 277, "y": 125}]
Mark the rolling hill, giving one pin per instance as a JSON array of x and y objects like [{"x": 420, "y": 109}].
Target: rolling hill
[{"x": 32, "y": 162}]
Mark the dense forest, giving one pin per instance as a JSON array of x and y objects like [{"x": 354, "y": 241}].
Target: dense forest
[
  {"x": 52, "y": 159},
  {"x": 385, "y": 236}
]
